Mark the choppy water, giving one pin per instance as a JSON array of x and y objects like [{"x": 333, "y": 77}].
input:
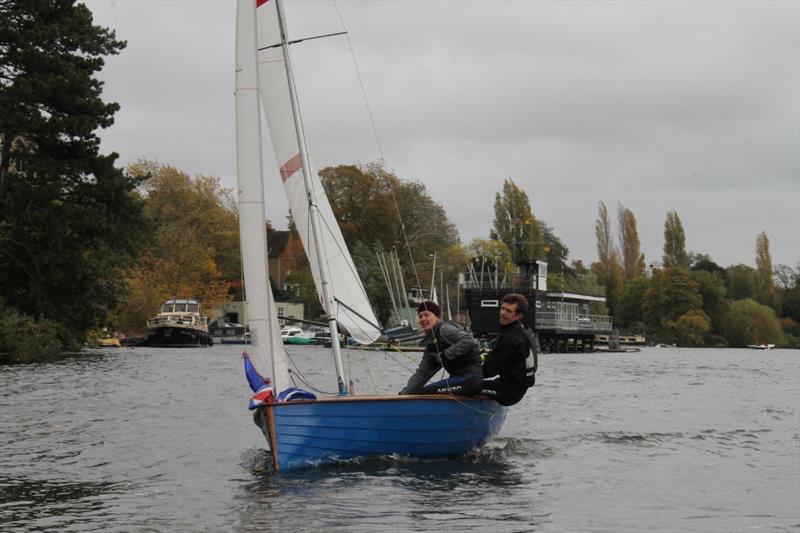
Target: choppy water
[{"x": 161, "y": 440}]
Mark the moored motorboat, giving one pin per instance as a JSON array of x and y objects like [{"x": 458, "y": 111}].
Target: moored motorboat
[
  {"x": 179, "y": 324},
  {"x": 295, "y": 335},
  {"x": 761, "y": 346},
  {"x": 224, "y": 332}
]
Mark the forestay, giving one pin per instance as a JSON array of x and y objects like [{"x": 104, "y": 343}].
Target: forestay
[{"x": 350, "y": 305}]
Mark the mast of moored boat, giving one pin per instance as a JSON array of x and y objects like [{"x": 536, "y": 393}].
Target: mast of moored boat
[{"x": 327, "y": 294}]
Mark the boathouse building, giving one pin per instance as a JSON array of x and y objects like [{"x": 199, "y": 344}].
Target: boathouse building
[{"x": 562, "y": 320}]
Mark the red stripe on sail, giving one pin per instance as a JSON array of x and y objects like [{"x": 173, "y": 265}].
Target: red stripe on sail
[
  {"x": 260, "y": 3},
  {"x": 290, "y": 167}
]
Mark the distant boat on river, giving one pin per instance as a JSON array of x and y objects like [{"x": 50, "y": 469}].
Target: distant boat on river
[
  {"x": 761, "y": 346},
  {"x": 179, "y": 324}
]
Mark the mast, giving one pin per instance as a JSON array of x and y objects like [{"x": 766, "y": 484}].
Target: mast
[
  {"x": 327, "y": 294},
  {"x": 433, "y": 280}
]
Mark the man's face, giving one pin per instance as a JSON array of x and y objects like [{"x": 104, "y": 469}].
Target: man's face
[
  {"x": 427, "y": 320},
  {"x": 508, "y": 313}
]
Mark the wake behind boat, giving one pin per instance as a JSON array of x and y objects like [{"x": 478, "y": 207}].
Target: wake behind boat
[{"x": 303, "y": 431}]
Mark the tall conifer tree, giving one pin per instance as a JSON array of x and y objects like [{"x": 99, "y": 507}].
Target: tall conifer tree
[
  {"x": 766, "y": 292},
  {"x": 632, "y": 257},
  {"x": 69, "y": 221},
  {"x": 674, "y": 242},
  {"x": 515, "y": 225}
]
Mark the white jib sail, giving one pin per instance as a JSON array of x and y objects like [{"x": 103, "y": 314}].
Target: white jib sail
[
  {"x": 351, "y": 306},
  {"x": 266, "y": 347}
]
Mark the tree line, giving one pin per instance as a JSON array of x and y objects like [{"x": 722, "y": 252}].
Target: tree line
[{"x": 688, "y": 299}]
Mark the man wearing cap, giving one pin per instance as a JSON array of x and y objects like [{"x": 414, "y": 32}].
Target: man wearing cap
[{"x": 450, "y": 346}]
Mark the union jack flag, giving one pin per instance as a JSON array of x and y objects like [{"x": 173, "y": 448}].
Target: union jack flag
[{"x": 263, "y": 396}]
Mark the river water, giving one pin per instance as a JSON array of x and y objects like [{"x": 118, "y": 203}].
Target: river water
[{"x": 666, "y": 439}]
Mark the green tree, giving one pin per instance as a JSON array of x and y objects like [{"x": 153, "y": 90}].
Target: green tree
[
  {"x": 605, "y": 243},
  {"x": 704, "y": 262},
  {"x": 765, "y": 291},
  {"x": 690, "y": 329},
  {"x": 715, "y": 303},
  {"x": 671, "y": 293},
  {"x": 631, "y": 306},
  {"x": 674, "y": 242},
  {"x": 557, "y": 256},
  {"x": 608, "y": 268},
  {"x": 631, "y": 255},
  {"x": 741, "y": 282},
  {"x": 750, "y": 322},
  {"x": 515, "y": 225},
  {"x": 70, "y": 223},
  {"x": 789, "y": 285}
]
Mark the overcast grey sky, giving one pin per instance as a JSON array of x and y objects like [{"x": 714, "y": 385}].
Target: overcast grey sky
[{"x": 691, "y": 106}]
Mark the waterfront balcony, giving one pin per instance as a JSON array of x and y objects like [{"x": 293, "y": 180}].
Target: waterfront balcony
[{"x": 562, "y": 323}]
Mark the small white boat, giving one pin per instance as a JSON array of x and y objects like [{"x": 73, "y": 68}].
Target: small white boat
[
  {"x": 295, "y": 335},
  {"x": 761, "y": 346}
]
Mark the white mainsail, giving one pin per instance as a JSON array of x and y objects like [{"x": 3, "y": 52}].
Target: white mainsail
[
  {"x": 350, "y": 304},
  {"x": 266, "y": 350}
]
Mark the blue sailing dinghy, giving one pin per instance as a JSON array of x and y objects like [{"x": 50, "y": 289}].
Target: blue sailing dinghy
[{"x": 303, "y": 431}]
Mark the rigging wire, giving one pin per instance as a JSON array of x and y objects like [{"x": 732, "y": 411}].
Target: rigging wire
[
  {"x": 369, "y": 371},
  {"x": 377, "y": 140},
  {"x": 305, "y": 381}
]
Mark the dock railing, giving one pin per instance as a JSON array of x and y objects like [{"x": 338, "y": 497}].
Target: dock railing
[
  {"x": 588, "y": 323},
  {"x": 499, "y": 280}
]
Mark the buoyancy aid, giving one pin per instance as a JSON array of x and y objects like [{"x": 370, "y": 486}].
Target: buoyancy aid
[
  {"x": 532, "y": 359},
  {"x": 514, "y": 355},
  {"x": 447, "y": 334}
]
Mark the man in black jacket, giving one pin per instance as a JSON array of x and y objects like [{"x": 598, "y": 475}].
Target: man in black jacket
[
  {"x": 450, "y": 346},
  {"x": 511, "y": 363}
]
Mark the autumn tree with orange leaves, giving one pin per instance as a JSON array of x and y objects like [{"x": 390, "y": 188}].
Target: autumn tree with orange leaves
[{"x": 194, "y": 251}]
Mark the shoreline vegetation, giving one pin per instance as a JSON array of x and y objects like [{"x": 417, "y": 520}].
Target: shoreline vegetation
[{"x": 88, "y": 246}]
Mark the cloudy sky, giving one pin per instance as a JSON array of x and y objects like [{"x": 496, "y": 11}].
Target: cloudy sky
[{"x": 691, "y": 106}]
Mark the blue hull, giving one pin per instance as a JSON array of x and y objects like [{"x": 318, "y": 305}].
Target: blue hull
[{"x": 312, "y": 433}]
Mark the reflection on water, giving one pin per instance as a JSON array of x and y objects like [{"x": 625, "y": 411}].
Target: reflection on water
[
  {"x": 161, "y": 440},
  {"x": 63, "y": 503}
]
